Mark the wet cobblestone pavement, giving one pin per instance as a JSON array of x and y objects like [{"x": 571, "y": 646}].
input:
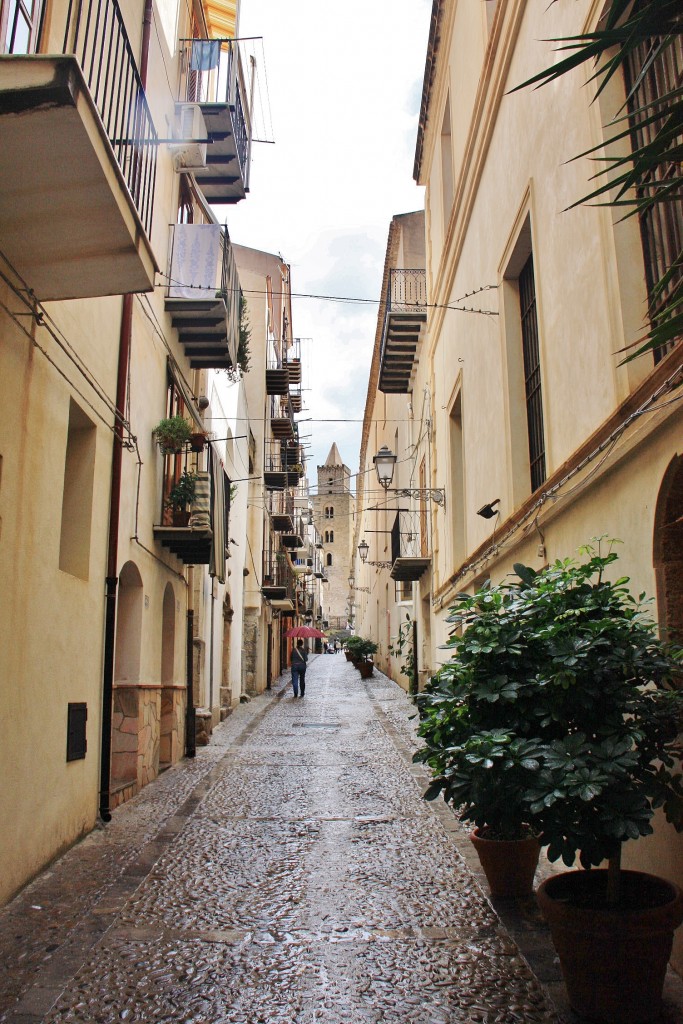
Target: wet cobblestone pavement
[{"x": 290, "y": 873}]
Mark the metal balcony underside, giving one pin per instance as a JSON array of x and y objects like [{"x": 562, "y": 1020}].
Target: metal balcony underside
[
  {"x": 409, "y": 569},
  {"x": 291, "y": 539},
  {"x": 275, "y": 480},
  {"x": 203, "y": 331},
  {"x": 273, "y": 593},
  {"x": 69, "y": 224},
  {"x": 193, "y": 547},
  {"x": 401, "y": 337},
  {"x": 282, "y": 427},
  {"x": 277, "y": 381},
  {"x": 281, "y": 522},
  {"x": 294, "y": 369},
  {"x": 221, "y": 181}
]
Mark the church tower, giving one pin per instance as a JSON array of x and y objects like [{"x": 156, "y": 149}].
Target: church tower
[{"x": 334, "y": 507}]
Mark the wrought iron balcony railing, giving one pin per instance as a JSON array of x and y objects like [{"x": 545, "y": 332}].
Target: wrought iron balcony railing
[
  {"x": 204, "y": 294},
  {"x": 96, "y": 34},
  {"x": 214, "y": 78},
  {"x": 406, "y": 313},
  {"x": 409, "y": 545}
]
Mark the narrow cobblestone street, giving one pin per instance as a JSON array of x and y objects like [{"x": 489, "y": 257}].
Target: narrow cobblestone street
[{"x": 290, "y": 873}]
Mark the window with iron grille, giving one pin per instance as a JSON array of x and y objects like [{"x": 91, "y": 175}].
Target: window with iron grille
[
  {"x": 653, "y": 70},
  {"x": 532, "y": 373}
]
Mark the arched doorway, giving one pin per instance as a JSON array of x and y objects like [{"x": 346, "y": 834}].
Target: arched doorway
[
  {"x": 668, "y": 550},
  {"x": 167, "y": 720},
  {"x": 124, "y": 748}
]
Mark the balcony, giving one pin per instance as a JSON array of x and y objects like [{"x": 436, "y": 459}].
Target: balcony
[
  {"x": 275, "y": 476},
  {"x": 203, "y": 296},
  {"x": 293, "y": 537},
  {"x": 278, "y": 583},
  {"x": 187, "y": 532},
  {"x": 78, "y": 163},
  {"x": 281, "y": 508},
  {"x": 409, "y": 549},
  {"x": 277, "y": 379},
  {"x": 213, "y": 77},
  {"x": 282, "y": 418},
  {"x": 404, "y": 324}
]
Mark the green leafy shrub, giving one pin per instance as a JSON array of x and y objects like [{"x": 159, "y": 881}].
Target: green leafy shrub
[{"x": 557, "y": 712}]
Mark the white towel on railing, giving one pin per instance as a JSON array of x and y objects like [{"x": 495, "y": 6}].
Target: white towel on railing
[{"x": 205, "y": 54}]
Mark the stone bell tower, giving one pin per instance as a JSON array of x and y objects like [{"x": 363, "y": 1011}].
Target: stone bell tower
[{"x": 334, "y": 507}]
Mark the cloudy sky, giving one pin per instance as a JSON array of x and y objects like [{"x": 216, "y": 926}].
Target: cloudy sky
[{"x": 344, "y": 83}]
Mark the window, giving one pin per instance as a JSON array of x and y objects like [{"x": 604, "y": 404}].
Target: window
[
  {"x": 329, "y": 512},
  {"x": 77, "y": 496},
  {"x": 649, "y": 75},
  {"x": 19, "y": 23},
  {"x": 331, "y": 536},
  {"x": 532, "y": 373},
  {"x": 328, "y": 560},
  {"x": 403, "y": 590}
]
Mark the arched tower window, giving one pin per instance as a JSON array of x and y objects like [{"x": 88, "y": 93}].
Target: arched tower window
[{"x": 329, "y": 559}]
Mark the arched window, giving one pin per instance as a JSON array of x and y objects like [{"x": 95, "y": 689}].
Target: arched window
[
  {"x": 331, "y": 536},
  {"x": 329, "y": 512},
  {"x": 329, "y": 560}
]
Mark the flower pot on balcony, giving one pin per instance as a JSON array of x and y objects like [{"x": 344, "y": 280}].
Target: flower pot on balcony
[
  {"x": 197, "y": 441},
  {"x": 181, "y": 517}
]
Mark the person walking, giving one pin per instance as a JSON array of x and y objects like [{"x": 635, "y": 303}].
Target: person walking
[{"x": 299, "y": 659}]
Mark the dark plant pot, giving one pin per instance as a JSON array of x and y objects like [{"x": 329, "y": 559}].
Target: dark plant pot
[
  {"x": 365, "y": 668},
  {"x": 509, "y": 864},
  {"x": 181, "y": 517},
  {"x": 613, "y": 959},
  {"x": 197, "y": 442},
  {"x": 348, "y": 655}
]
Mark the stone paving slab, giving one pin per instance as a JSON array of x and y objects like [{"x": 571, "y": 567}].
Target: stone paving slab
[{"x": 289, "y": 873}]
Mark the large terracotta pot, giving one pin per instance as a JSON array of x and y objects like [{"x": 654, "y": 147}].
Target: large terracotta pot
[
  {"x": 613, "y": 959},
  {"x": 365, "y": 668},
  {"x": 509, "y": 864}
]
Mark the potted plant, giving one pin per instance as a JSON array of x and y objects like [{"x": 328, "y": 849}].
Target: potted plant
[
  {"x": 581, "y": 737},
  {"x": 172, "y": 434},
  {"x": 197, "y": 440},
  {"x": 180, "y": 496},
  {"x": 363, "y": 650},
  {"x": 479, "y": 725}
]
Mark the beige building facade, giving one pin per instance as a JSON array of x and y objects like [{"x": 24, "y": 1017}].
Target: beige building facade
[
  {"x": 518, "y": 369},
  {"x": 121, "y": 632}
]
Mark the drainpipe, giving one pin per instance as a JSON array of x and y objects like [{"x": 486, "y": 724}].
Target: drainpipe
[
  {"x": 190, "y": 715},
  {"x": 112, "y": 559},
  {"x": 114, "y": 506}
]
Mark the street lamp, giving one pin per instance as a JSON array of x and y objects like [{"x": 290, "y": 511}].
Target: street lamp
[
  {"x": 363, "y": 549},
  {"x": 385, "y": 460},
  {"x": 352, "y": 580}
]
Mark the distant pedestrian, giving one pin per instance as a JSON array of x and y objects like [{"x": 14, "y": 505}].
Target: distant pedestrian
[
  {"x": 337, "y": 646},
  {"x": 299, "y": 659}
]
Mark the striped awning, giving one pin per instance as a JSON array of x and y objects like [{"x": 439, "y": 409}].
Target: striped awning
[{"x": 221, "y": 18}]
